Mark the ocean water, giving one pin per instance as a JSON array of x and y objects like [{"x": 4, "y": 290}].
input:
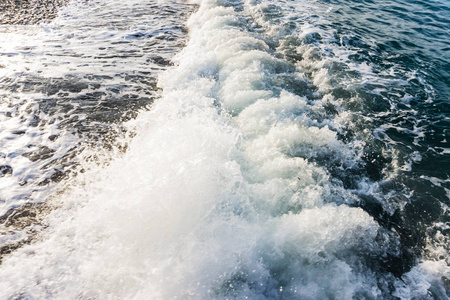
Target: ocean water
[{"x": 226, "y": 149}]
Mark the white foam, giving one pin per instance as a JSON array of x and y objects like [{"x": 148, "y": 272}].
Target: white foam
[{"x": 424, "y": 277}]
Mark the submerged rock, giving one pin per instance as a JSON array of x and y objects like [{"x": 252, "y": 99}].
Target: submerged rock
[{"x": 5, "y": 170}]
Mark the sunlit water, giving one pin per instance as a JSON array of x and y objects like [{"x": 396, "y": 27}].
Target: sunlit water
[{"x": 294, "y": 150}]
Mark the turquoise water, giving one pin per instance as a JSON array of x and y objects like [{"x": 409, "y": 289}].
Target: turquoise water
[{"x": 227, "y": 149}]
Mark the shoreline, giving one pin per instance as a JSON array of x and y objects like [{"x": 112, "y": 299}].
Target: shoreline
[{"x": 29, "y": 12}]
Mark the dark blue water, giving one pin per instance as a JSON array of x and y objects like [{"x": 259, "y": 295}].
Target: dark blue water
[
  {"x": 412, "y": 37},
  {"x": 409, "y": 42}
]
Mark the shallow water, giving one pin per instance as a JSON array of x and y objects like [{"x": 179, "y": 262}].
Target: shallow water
[
  {"x": 294, "y": 150},
  {"x": 66, "y": 85}
]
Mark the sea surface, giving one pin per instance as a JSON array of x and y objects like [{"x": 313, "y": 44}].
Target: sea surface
[{"x": 225, "y": 149}]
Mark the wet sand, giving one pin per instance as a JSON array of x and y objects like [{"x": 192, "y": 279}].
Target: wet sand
[{"x": 29, "y": 12}]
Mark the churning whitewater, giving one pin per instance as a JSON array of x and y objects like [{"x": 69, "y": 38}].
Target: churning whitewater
[{"x": 248, "y": 178}]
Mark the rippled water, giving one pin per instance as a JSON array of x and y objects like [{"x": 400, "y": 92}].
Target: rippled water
[
  {"x": 67, "y": 85},
  {"x": 258, "y": 150}
]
